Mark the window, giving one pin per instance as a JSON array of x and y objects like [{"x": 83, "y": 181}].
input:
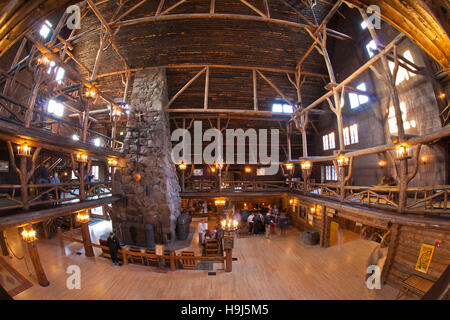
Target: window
[
  {"x": 358, "y": 99},
  {"x": 97, "y": 142},
  {"x": 371, "y": 48},
  {"x": 329, "y": 142},
  {"x": 56, "y": 108},
  {"x": 363, "y": 25},
  {"x": 330, "y": 173},
  {"x": 45, "y": 29},
  {"x": 351, "y": 135},
  {"x": 60, "y": 74},
  {"x": 282, "y": 108},
  {"x": 73, "y": 177},
  {"x": 392, "y": 121},
  {"x": 95, "y": 170},
  {"x": 402, "y": 73}
]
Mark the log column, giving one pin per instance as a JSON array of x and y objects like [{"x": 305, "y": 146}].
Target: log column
[
  {"x": 228, "y": 260},
  {"x": 35, "y": 260},
  {"x": 5, "y": 251},
  {"x": 88, "y": 250}
]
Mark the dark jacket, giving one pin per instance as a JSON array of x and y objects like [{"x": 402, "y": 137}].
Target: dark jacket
[
  {"x": 113, "y": 244},
  {"x": 267, "y": 220}
]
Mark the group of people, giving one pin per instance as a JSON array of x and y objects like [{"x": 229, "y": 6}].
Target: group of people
[
  {"x": 266, "y": 222},
  {"x": 216, "y": 232}
]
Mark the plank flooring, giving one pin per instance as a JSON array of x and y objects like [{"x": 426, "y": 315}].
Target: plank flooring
[{"x": 275, "y": 268}]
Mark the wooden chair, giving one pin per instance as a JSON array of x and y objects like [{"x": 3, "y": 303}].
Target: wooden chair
[
  {"x": 211, "y": 247},
  {"x": 136, "y": 259},
  {"x": 188, "y": 263},
  {"x": 150, "y": 261}
]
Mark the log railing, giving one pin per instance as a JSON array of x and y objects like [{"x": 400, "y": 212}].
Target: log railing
[
  {"x": 51, "y": 193},
  {"x": 432, "y": 200}
]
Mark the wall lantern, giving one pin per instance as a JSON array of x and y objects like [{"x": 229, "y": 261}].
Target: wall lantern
[
  {"x": 342, "y": 161},
  {"x": 402, "y": 151},
  {"x": 248, "y": 170},
  {"x": 24, "y": 150},
  {"x": 213, "y": 170},
  {"x": 313, "y": 210},
  {"x": 29, "y": 235},
  {"x": 82, "y": 157},
  {"x": 91, "y": 93},
  {"x": 291, "y": 202},
  {"x": 382, "y": 163},
  {"x": 229, "y": 225},
  {"x": 424, "y": 160},
  {"x": 219, "y": 202},
  {"x": 83, "y": 217},
  {"x": 182, "y": 165},
  {"x": 306, "y": 165},
  {"x": 112, "y": 162}
]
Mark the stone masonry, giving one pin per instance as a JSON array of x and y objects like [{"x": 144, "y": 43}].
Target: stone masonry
[{"x": 154, "y": 199}]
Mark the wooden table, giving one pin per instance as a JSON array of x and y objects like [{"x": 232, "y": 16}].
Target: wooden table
[{"x": 415, "y": 283}]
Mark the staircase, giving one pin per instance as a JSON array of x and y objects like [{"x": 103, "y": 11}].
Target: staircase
[{"x": 211, "y": 248}]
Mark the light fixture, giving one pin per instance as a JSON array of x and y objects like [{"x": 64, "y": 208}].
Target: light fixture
[
  {"x": 83, "y": 217},
  {"x": 229, "y": 225},
  {"x": 91, "y": 93},
  {"x": 306, "y": 165},
  {"x": 291, "y": 202},
  {"x": 55, "y": 107},
  {"x": 29, "y": 235},
  {"x": 213, "y": 169},
  {"x": 289, "y": 166},
  {"x": 342, "y": 161},
  {"x": 115, "y": 113},
  {"x": 248, "y": 170},
  {"x": 24, "y": 150},
  {"x": 382, "y": 163},
  {"x": 219, "y": 202},
  {"x": 44, "y": 60},
  {"x": 65, "y": 174},
  {"x": 313, "y": 210},
  {"x": 75, "y": 137},
  {"x": 442, "y": 95},
  {"x": 112, "y": 162},
  {"x": 82, "y": 157},
  {"x": 182, "y": 165},
  {"x": 402, "y": 151},
  {"x": 424, "y": 159}
]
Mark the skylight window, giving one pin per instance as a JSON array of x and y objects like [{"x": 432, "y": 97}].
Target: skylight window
[
  {"x": 358, "y": 99},
  {"x": 45, "y": 29},
  {"x": 363, "y": 25},
  {"x": 56, "y": 108},
  {"x": 60, "y": 74},
  {"x": 282, "y": 108},
  {"x": 371, "y": 48}
]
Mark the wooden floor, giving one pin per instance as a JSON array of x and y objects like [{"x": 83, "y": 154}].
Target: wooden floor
[{"x": 276, "y": 268}]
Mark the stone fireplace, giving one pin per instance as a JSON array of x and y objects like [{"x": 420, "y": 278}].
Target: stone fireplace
[{"x": 148, "y": 179}]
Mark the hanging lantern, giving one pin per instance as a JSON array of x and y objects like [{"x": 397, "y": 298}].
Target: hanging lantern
[
  {"x": 83, "y": 217},
  {"x": 29, "y": 235},
  {"x": 24, "y": 150},
  {"x": 116, "y": 113},
  {"x": 306, "y": 165},
  {"x": 91, "y": 93},
  {"x": 44, "y": 60},
  {"x": 313, "y": 210},
  {"x": 82, "y": 157},
  {"x": 248, "y": 170},
  {"x": 342, "y": 161}
]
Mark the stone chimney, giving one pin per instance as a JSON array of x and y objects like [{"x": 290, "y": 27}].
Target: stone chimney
[{"x": 148, "y": 180}]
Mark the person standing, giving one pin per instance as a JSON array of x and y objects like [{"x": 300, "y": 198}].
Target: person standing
[
  {"x": 56, "y": 180},
  {"x": 267, "y": 225},
  {"x": 201, "y": 230},
  {"x": 282, "y": 224},
  {"x": 114, "y": 246},
  {"x": 250, "y": 223}
]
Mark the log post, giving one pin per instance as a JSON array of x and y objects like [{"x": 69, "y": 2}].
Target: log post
[
  {"x": 88, "y": 251},
  {"x": 5, "y": 251},
  {"x": 228, "y": 260},
  {"x": 390, "y": 254},
  {"x": 172, "y": 260},
  {"x": 34, "y": 255},
  {"x": 124, "y": 255},
  {"x": 61, "y": 241}
]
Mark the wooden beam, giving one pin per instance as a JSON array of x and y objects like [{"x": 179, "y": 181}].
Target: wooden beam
[
  {"x": 205, "y": 103},
  {"x": 254, "y": 8},
  {"x": 184, "y": 88},
  {"x": 275, "y": 88},
  {"x": 172, "y": 7},
  {"x": 255, "y": 91}
]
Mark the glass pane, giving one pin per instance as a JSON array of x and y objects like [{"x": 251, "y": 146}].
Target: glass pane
[
  {"x": 287, "y": 108},
  {"x": 354, "y": 102},
  {"x": 277, "y": 107}
]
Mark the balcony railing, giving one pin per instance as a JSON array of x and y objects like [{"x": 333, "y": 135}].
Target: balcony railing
[{"x": 50, "y": 193}]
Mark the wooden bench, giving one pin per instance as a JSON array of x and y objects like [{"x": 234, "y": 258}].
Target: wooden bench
[
  {"x": 188, "y": 263},
  {"x": 416, "y": 284}
]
